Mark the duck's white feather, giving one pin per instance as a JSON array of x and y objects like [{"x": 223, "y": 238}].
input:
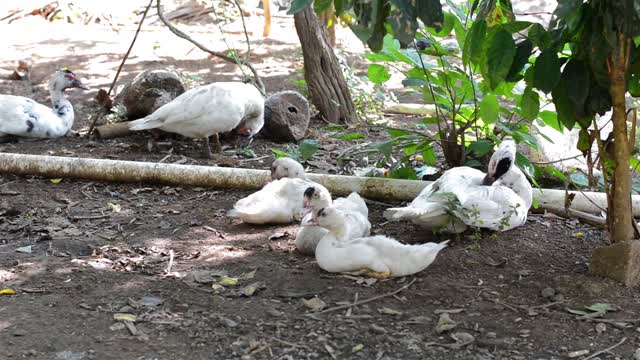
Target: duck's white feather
[
  {"x": 379, "y": 253},
  {"x": 207, "y": 110},
  {"x": 278, "y": 202},
  {"x": 357, "y": 223}
]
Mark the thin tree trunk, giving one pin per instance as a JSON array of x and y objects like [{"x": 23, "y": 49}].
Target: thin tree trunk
[
  {"x": 327, "y": 86},
  {"x": 619, "y": 214}
]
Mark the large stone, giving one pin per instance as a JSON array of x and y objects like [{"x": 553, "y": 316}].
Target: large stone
[
  {"x": 286, "y": 116},
  {"x": 619, "y": 261},
  {"x": 148, "y": 91}
]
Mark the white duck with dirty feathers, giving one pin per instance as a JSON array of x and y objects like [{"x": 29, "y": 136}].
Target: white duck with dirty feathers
[
  {"x": 21, "y": 116},
  {"x": 278, "y": 202},
  {"x": 463, "y": 197},
  {"x": 357, "y": 224},
  {"x": 285, "y": 167},
  {"x": 208, "y": 110},
  {"x": 374, "y": 256}
]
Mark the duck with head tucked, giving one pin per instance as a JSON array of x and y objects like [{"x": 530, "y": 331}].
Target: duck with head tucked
[
  {"x": 21, "y": 116},
  {"x": 498, "y": 200}
]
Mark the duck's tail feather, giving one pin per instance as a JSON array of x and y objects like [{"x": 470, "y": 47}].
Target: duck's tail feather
[{"x": 145, "y": 123}]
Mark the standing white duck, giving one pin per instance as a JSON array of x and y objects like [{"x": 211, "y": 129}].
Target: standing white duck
[
  {"x": 464, "y": 197},
  {"x": 375, "y": 256},
  {"x": 357, "y": 224},
  {"x": 278, "y": 202},
  {"x": 208, "y": 110},
  {"x": 285, "y": 167},
  {"x": 21, "y": 116}
]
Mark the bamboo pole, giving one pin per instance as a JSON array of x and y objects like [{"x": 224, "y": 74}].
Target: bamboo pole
[{"x": 250, "y": 179}]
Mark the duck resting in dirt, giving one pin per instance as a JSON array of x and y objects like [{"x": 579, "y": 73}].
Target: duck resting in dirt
[
  {"x": 374, "y": 256},
  {"x": 21, "y": 116},
  {"x": 208, "y": 110},
  {"x": 464, "y": 196},
  {"x": 357, "y": 224}
]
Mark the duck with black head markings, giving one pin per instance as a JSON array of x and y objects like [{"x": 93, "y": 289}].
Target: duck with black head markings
[
  {"x": 463, "y": 197},
  {"x": 21, "y": 116}
]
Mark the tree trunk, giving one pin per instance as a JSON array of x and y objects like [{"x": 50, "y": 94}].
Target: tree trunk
[
  {"x": 327, "y": 86},
  {"x": 329, "y": 21},
  {"x": 619, "y": 216}
]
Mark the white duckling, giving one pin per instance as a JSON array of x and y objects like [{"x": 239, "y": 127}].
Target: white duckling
[
  {"x": 278, "y": 202},
  {"x": 375, "y": 256},
  {"x": 285, "y": 167},
  {"x": 356, "y": 226},
  {"x": 21, "y": 116},
  {"x": 464, "y": 197},
  {"x": 208, "y": 110}
]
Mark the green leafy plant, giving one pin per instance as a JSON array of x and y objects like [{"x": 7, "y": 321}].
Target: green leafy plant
[{"x": 302, "y": 152}]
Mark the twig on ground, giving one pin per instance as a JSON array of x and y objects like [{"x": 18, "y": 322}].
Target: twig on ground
[
  {"x": 378, "y": 297},
  {"x": 124, "y": 59},
  {"x": 90, "y": 217},
  {"x": 584, "y": 217},
  {"x": 350, "y": 309},
  {"x": 624, "y": 339},
  {"x": 170, "y": 265},
  {"x": 180, "y": 34}
]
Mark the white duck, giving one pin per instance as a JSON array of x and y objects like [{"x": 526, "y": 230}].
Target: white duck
[
  {"x": 375, "y": 256},
  {"x": 278, "y": 202},
  {"x": 21, "y": 116},
  {"x": 356, "y": 226},
  {"x": 464, "y": 197},
  {"x": 208, "y": 110},
  {"x": 285, "y": 167}
]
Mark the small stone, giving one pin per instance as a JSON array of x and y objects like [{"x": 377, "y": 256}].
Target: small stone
[
  {"x": 600, "y": 328},
  {"x": 274, "y": 312},
  {"x": 117, "y": 326},
  {"x": 636, "y": 354},
  {"x": 228, "y": 322},
  {"x": 378, "y": 329},
  {"x": 548, "y": 293},
  {"x": 575, "y": 354},
  {"x": 491, "y": 335}
]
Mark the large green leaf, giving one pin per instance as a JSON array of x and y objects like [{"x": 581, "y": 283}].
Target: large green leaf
[
  {"x": 298, "y": 5},
  {"x": 500, "y": 54},
  {"x": 481, "y": 147},
  {"x": 547, "y": 71},
  {"x": 550, "y": 118},
  {"x": 378, "y": 74},
  {"x": 516, "y": 26},
  {"x": 430, "y": 12},
  {"x": 576, "y": 77},
  {"x": 523, "y": 52},
  {"x": 564, "y": 107},
  {"x": 308, "y": 148},
  {"x": 473, "y": 44},
  {"x": 634, "y": 85},
  {"x": 403, "y": 20},
  {"x": 584, "y": 141},
  {"x": 530, "y": 103},
  {"x": 489, "y": 109},
  {"x": 447, "y": 25},
  {"x": 539, "y": 36},
  {"x": 321, "y": 5}
]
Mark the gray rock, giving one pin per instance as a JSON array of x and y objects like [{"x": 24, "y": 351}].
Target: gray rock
[
  {"x": 286, "y": 116},
  {"x": 148, "y": 91},
  {"x": 548, "y": 293}
]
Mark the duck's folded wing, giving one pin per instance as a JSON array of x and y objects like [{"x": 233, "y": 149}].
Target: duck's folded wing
[
  {"x": 494, "y": 208},
  {"x": 18, "y": 114}
]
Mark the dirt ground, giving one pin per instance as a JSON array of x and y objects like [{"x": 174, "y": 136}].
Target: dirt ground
[{"x": 80, "y": 254}]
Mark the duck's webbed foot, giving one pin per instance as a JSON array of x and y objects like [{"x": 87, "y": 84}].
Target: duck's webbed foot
[{"x": 370, "y": 273}]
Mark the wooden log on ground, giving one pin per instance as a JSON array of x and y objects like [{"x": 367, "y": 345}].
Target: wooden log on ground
[
  {"x": 112, "y": 131},
  {"x": 250, "y": 179}
]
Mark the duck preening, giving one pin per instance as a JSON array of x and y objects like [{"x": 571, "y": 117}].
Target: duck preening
[
  {"x": 21, "y": 116},
  {"x": 357, "y": 224},
  {"x": 464, "y": 196},
  {"x": 208, "y": 110},
  {"x": 375, "y": 256}
]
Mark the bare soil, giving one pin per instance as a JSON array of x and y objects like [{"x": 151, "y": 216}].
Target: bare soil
[{"x": 100, "y": 250}]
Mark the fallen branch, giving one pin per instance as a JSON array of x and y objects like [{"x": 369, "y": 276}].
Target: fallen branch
[
  {"x": 115, "y": 78},
  {"x": 180, "y": 34},
  {"x": 584, "y": 217},
  {"x": 356, "y": 303},
  {"x": 624, "y": 339},
  {"x": 112, "y": 131},
  {"x": 384, "y": 189}
]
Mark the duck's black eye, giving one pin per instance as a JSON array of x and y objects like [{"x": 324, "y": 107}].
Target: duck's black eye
[{"x": 321, "y": 212}]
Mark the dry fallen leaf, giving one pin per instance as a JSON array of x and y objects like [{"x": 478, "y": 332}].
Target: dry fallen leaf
[
  {"x": 124, "y": 317},
  {"x": 7, "y": 292},
  {"x": 114, "y": 207},
  {"x": 55, "y": 181},
  {"x": 387, "y": 311},
  {"x": 228, "y": 281}
]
